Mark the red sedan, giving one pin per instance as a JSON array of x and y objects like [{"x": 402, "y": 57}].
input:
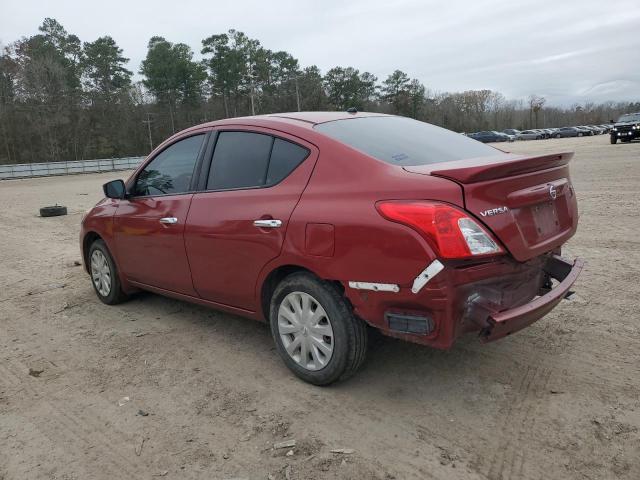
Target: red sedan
[{"x": 324, "y": 223}]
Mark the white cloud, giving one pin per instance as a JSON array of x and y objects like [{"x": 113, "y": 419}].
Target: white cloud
[{"x": 570, "y": 51}]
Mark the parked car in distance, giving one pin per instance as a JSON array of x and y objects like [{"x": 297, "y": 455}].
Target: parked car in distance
[
  {"x": 529, "y": 135},
  {"x": 268, "y": 217},
  {"x": 511, "y": 131},
  {"x": 488, "y": 136},
  {"x": 542, "y": 132},
  {"x": 627, "y": 128},
  {"x": 584, "y": 131},
  {"x": 507, "y": 138},
  {"x": 564, "y": 132}
]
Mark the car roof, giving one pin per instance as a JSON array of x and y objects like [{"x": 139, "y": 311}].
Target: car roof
[
  {"x": 323, "y": 117},
  {"x": 291, "y": 122},
  {"x": 308, "y": 119}
]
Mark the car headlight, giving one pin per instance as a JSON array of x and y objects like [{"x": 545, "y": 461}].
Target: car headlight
[{"x": 614, "y": 129}]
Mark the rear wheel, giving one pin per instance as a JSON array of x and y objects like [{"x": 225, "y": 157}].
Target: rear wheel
[
  {"x": 104, "y": 275},
  {"x": 316, "y": 333}
]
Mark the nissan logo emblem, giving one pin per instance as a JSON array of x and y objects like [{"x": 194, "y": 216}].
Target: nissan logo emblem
[{"x": 553, "y": 193}]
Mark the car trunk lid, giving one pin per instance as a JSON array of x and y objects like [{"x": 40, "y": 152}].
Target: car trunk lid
[{"x": 527, "y": 202}]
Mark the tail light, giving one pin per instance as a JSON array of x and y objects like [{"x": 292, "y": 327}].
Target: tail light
[{"x": 448, "y": 229}]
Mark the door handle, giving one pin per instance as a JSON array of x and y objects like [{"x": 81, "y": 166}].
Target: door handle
[
  {"x": 169, "y": 220},
  {"x": 267, "y": 223}
]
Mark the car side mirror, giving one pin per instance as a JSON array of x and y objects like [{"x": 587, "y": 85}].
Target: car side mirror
[{"x": 115, "y": 189}]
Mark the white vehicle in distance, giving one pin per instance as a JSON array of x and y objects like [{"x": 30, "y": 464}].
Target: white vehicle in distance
[{"x": 529, "y": 135}]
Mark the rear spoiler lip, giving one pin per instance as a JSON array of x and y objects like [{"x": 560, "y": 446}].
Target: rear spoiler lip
[{"x": 488, "y": 168}]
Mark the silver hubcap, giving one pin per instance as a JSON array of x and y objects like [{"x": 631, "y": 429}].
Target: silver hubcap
[
  {"x": 305, "y": 330},
  {"x": 100, "y": 273}
]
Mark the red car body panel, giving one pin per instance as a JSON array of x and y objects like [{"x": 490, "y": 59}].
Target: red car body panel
[
  {"x": 220, "y": 235},
  {"x": 215, "y": 256},
  {"x": 140, "y": 237},
  {"x": 533, "y": 222}
]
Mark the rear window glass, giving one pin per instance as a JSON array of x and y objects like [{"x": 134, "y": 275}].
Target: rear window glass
[
  {"x": 285, "y": 157},
  {"x": 403, "y": 141}
]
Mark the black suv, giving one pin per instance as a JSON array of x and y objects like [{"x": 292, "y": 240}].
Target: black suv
[{"x": 626, "y": 128}]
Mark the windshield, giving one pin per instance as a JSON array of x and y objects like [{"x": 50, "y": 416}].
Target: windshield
[
  {"x": 403, "y": 141},
  {"x": 630, "y": 117}
]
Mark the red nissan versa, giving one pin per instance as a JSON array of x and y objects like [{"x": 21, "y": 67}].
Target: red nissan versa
[{"x": 322, "y": 223}]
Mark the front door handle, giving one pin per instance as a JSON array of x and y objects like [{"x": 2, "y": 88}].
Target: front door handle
[
  {"x": 267, "y": 223},
  {"x": 169, "y": 220}
]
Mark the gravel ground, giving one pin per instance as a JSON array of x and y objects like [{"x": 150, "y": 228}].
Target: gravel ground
[{"x": 160, "y": 388}]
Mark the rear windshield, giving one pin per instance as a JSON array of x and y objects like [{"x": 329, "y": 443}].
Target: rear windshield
[{"x": 403, "y": 141}]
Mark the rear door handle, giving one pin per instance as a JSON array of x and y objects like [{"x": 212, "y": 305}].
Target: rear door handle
[
  {"x": 169, "y": 220},
  {"x": 267, "y": 223}
]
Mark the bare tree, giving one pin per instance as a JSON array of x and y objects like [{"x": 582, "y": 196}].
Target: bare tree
[{"x": 535, "y": 105}]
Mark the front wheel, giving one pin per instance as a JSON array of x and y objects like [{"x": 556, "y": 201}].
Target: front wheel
[
  {"x": 104, "y": 274},
  {"x": 613, "y": 140},
  {"x": 316, "y": 333},
  {"x": 558, "y": 136}
]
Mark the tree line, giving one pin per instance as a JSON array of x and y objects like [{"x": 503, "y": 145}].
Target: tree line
[{"x": 64, "y": 99}]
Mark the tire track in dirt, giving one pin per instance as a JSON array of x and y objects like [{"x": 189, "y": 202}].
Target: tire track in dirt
[
  {"x": 83, "y": 429},
  {"x": 509, "y": 458},
  {"x": 524, "y": 354},
  {"x": 61, "y": 432},
  {"x": 89, "y": 432},
  {"x": 8, "y": 379}
]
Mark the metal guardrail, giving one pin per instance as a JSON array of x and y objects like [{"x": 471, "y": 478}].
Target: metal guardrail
[{"x": 25, "y": 170}]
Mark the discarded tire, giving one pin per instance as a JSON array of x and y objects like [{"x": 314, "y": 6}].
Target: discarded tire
[{"x": 53, "y": 211}]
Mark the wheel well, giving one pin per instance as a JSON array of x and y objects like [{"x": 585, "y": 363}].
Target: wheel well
[
  {"x": 89, "y": 238},
  {"x": 276, "y": 276},
  {"x": 272, "y": 281}
]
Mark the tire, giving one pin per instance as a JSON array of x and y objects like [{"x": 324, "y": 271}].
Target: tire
[
  {"x": 579, "y": 134},
  {"x": 613, "y": 140},
  {"x": 558, "y": 136},
  {"x": 53, "y": 211},
  {"x": 99, "y": 253},
  {"x": 347, "y": 333}
]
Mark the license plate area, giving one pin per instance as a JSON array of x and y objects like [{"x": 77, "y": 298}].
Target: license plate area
[
  {"x": 545, "y": 219},
  {"x": 538, "y": 222}
]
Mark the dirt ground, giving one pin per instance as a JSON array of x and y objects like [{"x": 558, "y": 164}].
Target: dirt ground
[{"x": 208, "y": 397}]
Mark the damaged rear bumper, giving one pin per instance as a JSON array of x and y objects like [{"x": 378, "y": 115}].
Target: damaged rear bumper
[{"x": 501, "y": 324}]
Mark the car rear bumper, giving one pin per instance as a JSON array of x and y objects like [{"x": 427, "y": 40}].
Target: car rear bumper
[
  {"x": 506, "y": 322},
  {"x": 492, "y": 299}
]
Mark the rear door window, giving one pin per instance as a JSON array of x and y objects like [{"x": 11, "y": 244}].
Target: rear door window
[{"x": 249, "y": 160}]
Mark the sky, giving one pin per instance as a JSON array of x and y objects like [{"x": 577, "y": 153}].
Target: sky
[{"x": 569, "y": 51}]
